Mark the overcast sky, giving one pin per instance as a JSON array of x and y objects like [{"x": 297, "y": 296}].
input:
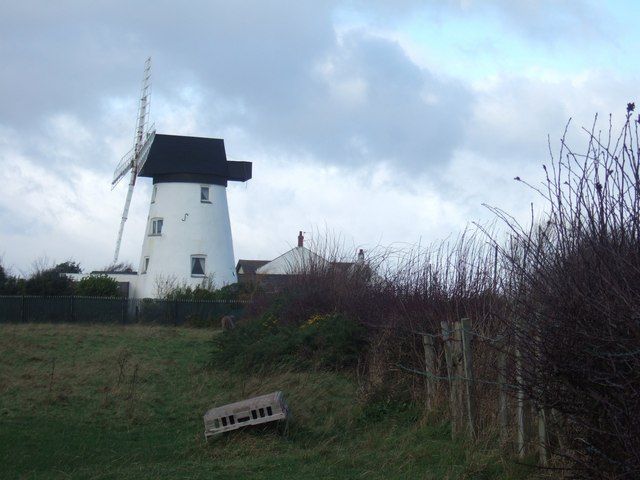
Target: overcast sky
[{"x": 380, "y": 121}]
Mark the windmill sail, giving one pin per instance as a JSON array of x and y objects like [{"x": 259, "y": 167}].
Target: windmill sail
[
  {"x": 135, "y": 158},
  {"x": 129, "y": 160}
]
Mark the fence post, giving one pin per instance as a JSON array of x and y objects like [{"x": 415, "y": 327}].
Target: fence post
[
  {"x": 23, "y": 310},
  {"x": 542, "y": 437},
  {"x": 453, "y": 397},
  {"x": 543, "y": 440},
  {"x": 124, "y": 310},
  {"x": 520, "y": 411},
  {"x": 558, "y": 425},
  {"x": 458, "y": 362},
  {"x": 430, "y": 368},
  {"x": 467, "y": 356},
  {"x": 175, "y": 312},
  {"x": 502, "y": 380},
  {"x": 71, "y": 309}
]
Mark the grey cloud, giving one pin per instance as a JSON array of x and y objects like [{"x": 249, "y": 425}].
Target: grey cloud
[
  {"x": 546, "y": 21},
  {"x": 391, "y": 109},
  {"x": 65, "y": 57},
  {"x": 265, "y": 57},
  {"x": 512, "y": 119}
]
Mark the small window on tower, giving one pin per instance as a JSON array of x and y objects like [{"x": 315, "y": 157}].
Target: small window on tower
[
  {"x": 145, "y": 264},
  {"x": 197, "y": 266},
  {"x": 204, "y": 195},
  {"x": 153, "y": 194},
  {"x": 156, "y": 226}
]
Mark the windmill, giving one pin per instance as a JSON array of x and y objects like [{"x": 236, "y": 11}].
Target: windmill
[
  {"x": 134, "y": 160},
  {"x": 188, "y": 231}
]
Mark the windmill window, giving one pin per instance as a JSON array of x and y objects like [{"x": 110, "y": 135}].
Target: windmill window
[
  {"x": 156, "y": 226},
  {"x": 153, "y": 194},
  {"x": 198, "y": 266},
  {"x": 145, "y": 264},
  {"x": 204, "y": 195}
]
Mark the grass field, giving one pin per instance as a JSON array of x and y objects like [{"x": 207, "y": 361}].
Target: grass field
[{"x": 127, "y": 402}]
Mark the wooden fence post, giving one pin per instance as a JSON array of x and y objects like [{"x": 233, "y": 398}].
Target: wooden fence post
[
  {"x": 520, "y": 410},
  {"x": 502, "y": 380},
  {"x": 458, "y": 368},
  {"x": 542, "y": 437},
  {"x": 71, "y": 309},
  {"x": 467, "y": 355},
  {"x": 175, "y": 312},
  {"x": 23, "y": 310},
  {"x": 451, "y": 372},
  {"x": 543, "y": 440},
  {"x": 558, "y": 427},
  {"x": 430, "y": 368},
  {"x": 124, "y": 310}
]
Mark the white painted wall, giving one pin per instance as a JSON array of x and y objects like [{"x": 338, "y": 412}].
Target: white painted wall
[{"x": 190, "y": 227}]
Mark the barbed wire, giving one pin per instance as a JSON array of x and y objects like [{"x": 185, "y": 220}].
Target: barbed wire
[
  {"x": 498, "y": 339},
  {"x": 449, "y": 335},
  {"x": 619, "y": 354},
  {"x": 456, "y": 377}
]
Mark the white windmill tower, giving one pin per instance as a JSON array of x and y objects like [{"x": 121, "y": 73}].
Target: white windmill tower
[{"x": 188, "y": 232}]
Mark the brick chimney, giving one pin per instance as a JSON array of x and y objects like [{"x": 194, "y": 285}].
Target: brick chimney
[
  {"x": 300, "y": 239},
  {"x": 361, "y": 256}
]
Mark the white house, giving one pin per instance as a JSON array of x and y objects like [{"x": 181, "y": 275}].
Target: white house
[{"x": 297, "y": 259}]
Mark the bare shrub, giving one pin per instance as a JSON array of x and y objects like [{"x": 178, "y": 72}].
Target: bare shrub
[
  {"x": 397, "y": 294},
  {"x": 574, "y": 279}
]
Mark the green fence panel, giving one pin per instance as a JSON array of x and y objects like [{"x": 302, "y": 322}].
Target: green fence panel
[{"x": 192, "y": 313}]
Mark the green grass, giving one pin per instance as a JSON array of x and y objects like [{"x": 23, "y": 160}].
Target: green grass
[{"x": 127, "y": 402}]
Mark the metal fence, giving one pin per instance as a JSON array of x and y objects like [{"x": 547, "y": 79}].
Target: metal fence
[{"x": 42, "y": 309}]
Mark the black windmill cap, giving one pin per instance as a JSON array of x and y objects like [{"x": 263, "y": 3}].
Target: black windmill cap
[{"x": 176, "y": 158}]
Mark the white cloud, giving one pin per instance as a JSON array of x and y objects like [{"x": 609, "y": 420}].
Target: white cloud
[
  {"x": 364, "y": 205},
  {"x": 64, "y": 212}
]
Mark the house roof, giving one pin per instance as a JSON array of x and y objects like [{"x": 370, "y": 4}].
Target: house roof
[
  {"x": 289, "y": 262},
  {"x": 174, "y": 158},
  {"x": 249, "y": 267}
]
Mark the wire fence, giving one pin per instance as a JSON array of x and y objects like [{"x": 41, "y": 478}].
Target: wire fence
[
  {"x": 115, "y": 310},
  {"x": 473, "y": 358}
]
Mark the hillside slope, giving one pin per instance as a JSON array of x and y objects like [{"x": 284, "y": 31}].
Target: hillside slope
[{"x": 114, "y": 402}]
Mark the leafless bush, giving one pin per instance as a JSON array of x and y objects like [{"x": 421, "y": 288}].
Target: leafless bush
[
  {"x": 397, "y": 294},
  {"x": 574, "y": 279}
]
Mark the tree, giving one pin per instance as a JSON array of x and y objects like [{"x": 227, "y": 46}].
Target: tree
[
  {"x": 10, "y": 285},
  {"x": 68, "y": 267},
  {"x": 52, "y": 280},
  {"x": 121, "y": 267},
  {"x": 97, "y": 286}
]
